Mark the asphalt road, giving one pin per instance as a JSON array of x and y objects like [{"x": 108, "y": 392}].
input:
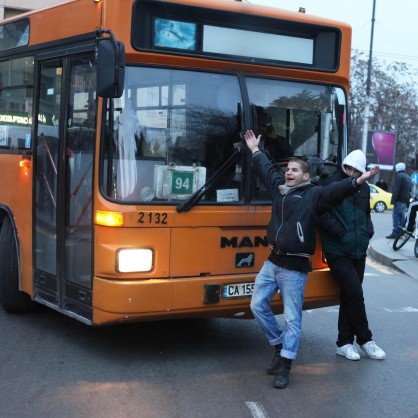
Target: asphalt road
[{"x": 53, "y": 366}]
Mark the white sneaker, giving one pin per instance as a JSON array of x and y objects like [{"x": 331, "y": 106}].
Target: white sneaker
[
  {"x": 349, "y": 352},
  {"x": 373, "y": 351}
]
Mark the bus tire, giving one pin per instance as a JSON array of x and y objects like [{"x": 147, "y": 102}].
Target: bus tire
[{"x": 12, "y": 299}]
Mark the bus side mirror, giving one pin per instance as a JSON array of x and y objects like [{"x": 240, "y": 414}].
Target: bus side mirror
[{"x": 110, "y": 60}]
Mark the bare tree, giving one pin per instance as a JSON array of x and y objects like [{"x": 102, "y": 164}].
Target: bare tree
[{"x": 393, "y": 103}]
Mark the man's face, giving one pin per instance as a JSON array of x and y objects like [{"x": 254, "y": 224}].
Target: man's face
[
  {"x": 294, "y": 174},
  {"x": 351, "y": 171}
]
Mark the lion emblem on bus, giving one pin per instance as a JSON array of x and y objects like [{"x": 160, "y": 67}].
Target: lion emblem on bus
[{"x": 244, "y": 260}]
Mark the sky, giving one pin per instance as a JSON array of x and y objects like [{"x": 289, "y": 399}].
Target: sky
[{"x": 395, "y": 29}]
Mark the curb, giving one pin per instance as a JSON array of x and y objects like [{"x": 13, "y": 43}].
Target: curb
[
  {"x": 381, "y": 251},
  {"x": 379, "y": 257}
]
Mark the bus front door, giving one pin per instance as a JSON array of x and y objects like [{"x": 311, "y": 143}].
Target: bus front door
[{"x": 63, "y": 230}]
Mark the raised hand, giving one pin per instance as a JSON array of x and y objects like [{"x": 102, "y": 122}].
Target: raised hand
[
  {"x": 368, "y": 175},
  {"x": 252, "y": 141}
]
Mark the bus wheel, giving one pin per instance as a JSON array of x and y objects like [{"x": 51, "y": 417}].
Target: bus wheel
[{"x": 13, "y": 300}]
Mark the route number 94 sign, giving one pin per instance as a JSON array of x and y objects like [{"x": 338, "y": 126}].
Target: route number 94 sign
[{"x": 182, "y": 182}]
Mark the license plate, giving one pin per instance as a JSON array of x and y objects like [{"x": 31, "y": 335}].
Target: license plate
[{"x": 237, "y": 290}]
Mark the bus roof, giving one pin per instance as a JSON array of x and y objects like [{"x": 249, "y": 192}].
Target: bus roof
[
  {"x": 77, "y": 18},
  {"x": 231, "y": 5}
]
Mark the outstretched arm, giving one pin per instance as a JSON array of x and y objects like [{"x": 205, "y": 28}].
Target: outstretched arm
[{"x": 334, "y": 193}]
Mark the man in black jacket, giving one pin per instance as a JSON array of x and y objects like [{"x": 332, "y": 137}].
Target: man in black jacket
[
  {"x": 382, "y": 184},
  {"x": 401, "y": 194},
  {"x": 291, "y": 234}
]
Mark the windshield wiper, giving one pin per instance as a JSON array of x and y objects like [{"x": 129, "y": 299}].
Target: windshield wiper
[{"x": 198, "y": 194}]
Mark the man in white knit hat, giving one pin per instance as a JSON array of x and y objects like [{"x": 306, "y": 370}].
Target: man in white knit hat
[
  {"x": 346, "y": 234},
  {"x": 401, "y": 193}
]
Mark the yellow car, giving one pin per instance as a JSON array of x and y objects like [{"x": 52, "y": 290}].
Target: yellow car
[{"x": 379, "y": 199}]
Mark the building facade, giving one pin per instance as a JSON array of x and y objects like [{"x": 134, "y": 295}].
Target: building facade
[{"x": 10, "y": 8}]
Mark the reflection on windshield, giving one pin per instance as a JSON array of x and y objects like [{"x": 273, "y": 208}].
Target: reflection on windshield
[
  {"x": 297, "y": 119},
  {"x": 172, "y": 130}
]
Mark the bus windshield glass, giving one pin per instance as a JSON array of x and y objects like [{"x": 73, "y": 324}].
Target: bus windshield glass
[
  {"x": 173, "y": 129},
  {"x": 298, "y": 119}
]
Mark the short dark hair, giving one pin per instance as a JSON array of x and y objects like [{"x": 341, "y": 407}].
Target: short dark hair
[{"x": 306, "y": 168}]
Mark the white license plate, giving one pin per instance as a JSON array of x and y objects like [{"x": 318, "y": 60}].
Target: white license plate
[{"x": 237, "y": 290}]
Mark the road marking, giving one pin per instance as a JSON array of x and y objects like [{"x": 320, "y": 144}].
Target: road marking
[
  {"x": 257, "y": 410},
  {"x": 406, "y": 309},
  {"x": 377, "y": 266},
  {"x": 402, "y": 310},
  {"x": 332, "y": 309}
]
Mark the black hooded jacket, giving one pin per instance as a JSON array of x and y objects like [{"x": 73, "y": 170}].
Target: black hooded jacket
[
  {"x": 401, "y": 191},
  {"x": 294, "y": 216}
]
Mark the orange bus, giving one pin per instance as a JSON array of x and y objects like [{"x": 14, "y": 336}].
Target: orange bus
[{"x": 126, "y": 191}]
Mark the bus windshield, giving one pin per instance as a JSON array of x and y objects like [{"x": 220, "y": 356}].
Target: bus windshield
[
  {"x": 173, "y": 129},
  {"x": 298, "y": 119},
  {"x": 170, "y": 125}
]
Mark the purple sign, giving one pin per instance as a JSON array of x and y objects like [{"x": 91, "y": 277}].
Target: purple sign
[{"x": 381, "y": 149}]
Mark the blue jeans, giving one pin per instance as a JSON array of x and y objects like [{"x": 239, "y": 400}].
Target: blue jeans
[
  {"x": 291, "y": 285},
  {"x": 398, "y": 217}
]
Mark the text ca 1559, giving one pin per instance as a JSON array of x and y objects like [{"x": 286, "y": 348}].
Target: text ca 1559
[{"x": 237, "y": 290}]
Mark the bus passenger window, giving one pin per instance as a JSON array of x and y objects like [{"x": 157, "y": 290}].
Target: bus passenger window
[{"x": 16, "y": 78}]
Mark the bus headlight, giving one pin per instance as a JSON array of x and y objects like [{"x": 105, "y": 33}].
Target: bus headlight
[{"x": 134, "y": 260}]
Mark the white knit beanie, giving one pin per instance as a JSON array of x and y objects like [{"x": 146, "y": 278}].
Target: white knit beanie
[
  {"x": 400, "y": 167},
  {"x": 355, "y": 159}
]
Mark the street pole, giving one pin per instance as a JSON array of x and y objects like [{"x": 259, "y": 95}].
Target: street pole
[{"x": 369, "y": 73}]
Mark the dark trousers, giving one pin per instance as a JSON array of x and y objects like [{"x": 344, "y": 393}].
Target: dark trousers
[{"x": 352, "y": 319}]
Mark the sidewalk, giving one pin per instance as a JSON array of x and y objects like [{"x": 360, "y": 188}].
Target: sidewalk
[{"x": 402, "y": 260}]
